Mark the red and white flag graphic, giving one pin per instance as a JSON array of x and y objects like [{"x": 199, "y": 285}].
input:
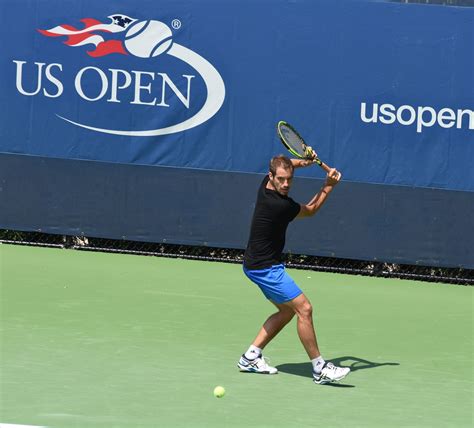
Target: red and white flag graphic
[{"x": 77, "y": 37}]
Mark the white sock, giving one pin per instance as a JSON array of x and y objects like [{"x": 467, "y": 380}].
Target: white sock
[
  {"x": 318, "y": 364},
  {"x": 253, "y": 352}
]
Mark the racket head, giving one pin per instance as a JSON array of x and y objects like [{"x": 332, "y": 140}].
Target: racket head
[{"x": 292, "y": 140}]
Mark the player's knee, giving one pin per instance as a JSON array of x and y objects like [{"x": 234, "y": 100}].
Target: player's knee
[
  {"x": 287, "y": 314},
  {"x": 290, "y": 315},
  {"x": 306, "y": 310}
]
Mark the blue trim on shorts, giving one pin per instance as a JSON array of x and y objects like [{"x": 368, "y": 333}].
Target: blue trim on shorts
[{"x": 275, "y": 283}]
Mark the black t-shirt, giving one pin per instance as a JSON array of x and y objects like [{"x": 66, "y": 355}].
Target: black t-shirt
[{"x": 273, "y": 212}]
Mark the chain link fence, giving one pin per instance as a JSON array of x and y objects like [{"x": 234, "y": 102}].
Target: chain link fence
[
  {"x": 459, "y": 3},
  {"x": 298, "y": 261}
]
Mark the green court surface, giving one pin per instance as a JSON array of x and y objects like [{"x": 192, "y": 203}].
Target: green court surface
[{"x": 121, "y": 341}]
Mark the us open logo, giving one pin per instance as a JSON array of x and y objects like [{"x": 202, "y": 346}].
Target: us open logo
[{"x": 147, "y": 43}]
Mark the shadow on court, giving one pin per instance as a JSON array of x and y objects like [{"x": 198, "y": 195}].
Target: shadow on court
[{"x": 354, "y": 363}]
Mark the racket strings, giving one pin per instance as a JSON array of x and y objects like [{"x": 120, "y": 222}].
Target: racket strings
[{"x": 293, "y": 140}]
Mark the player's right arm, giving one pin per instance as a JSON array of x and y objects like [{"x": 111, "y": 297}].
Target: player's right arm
[{"x": 311, "y": 208}]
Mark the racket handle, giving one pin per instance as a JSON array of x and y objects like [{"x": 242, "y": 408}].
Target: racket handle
[{"x": 322, "y": 164}]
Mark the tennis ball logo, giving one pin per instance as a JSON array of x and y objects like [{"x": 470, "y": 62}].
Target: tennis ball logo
[{"x": 147, "y": 39}]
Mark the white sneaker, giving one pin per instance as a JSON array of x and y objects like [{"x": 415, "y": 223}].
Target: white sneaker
[
  {"x": 330, "y": 373},
  {"x": 258, "y": 365}
]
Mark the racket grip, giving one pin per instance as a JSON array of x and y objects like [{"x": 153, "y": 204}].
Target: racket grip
[{"x": 322, "y": 165}]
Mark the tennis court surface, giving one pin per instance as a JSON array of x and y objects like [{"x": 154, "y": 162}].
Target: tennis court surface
[{"x": 120, "y": 341}]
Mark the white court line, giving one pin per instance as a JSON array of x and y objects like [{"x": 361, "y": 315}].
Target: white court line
[{"x": 2, "y": 425}]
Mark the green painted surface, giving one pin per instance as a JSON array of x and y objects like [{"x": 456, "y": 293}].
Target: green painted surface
[{"x": 117, "y": 341}]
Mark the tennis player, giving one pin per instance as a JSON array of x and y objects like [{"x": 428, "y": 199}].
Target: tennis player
[{"x": 274, "y": 210}]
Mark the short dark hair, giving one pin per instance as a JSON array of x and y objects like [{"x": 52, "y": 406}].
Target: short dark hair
[{"x": 280, "y": 161}]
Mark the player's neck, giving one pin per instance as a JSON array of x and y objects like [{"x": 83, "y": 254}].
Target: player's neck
[{"x": 270, "y": 186}]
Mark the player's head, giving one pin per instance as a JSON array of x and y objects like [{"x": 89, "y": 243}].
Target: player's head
[{"x": 281, "y": 174}]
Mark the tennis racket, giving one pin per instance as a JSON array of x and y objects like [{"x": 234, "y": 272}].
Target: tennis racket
[{"x": 296, "y": 145}]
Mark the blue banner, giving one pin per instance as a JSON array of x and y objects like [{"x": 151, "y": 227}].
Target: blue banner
[{"x": 383, "y": 91}]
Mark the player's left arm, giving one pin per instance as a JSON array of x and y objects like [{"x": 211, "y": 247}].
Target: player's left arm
[
  {"x": 312, "y": 207},
  {"x": 300, "y": 163}
]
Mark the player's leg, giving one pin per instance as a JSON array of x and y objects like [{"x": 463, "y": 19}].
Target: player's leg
[
  {"x": 303, "y": 309},
  {"x": 273, "y": 325},
  {"x": 253, "y": 360},
  {"x": 323, "y": 372},
  {"x": 278, "y": 288}
]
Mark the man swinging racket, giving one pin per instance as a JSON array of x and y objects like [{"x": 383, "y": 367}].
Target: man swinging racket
[{"x": 274, "y": 210}]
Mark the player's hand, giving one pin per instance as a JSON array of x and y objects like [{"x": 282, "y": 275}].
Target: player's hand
[
  {"x": 310, "y": 154},
  {"x": 333, "y": 177}
]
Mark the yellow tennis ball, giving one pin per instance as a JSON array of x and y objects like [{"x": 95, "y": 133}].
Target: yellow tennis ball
[{"x": 219, "y": 391}]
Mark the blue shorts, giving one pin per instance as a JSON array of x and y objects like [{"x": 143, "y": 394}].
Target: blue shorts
[{"x": 275, "y": 283}]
